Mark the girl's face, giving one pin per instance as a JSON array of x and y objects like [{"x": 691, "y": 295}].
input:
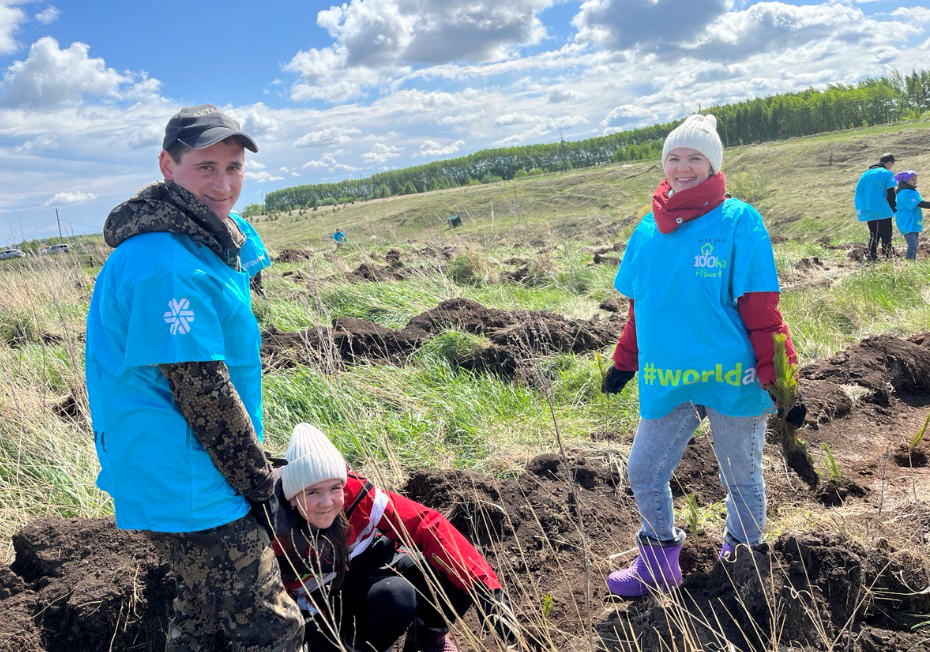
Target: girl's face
[
  {"x": 913, "y": 181},
  {"x": 320, "y": 503},
  {"x": 686, "y": 168}
]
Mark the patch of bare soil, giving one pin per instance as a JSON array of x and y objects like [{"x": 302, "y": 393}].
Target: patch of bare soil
[
  {"x": 814, "y": 272},
  {"x": 516, "y": 336},
  {"x": 293, "y": 256}
]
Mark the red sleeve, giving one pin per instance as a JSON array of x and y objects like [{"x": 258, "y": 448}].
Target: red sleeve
[
  {"x": 763, "y": 320},
  {"x": 626, "y": 355},
  {"x": 444, "y": 547}
]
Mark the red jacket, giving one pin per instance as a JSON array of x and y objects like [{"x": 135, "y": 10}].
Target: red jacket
[{"x": 373, "y": 513}]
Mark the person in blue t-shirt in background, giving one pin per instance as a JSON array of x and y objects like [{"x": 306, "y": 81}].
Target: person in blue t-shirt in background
[
  {"x": 253, "y": 257},
  {"x": 174, "y": 381},
  {"x": 909, "y": 216},
  {"x": 339, "y": 237},
  {"x": 875, "y": 204},
  {"x": 700, "y": 275}
]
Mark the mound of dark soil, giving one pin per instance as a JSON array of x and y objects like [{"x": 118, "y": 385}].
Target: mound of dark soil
[
  {"x": 881, "y": 366},
  {"x": 293, "y": 256},
  {"x": 375, "y": 273},
  {"x": 808, "y": 591}
]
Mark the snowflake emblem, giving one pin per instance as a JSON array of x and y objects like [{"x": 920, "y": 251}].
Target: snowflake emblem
[{"x": 179, "y": 316}]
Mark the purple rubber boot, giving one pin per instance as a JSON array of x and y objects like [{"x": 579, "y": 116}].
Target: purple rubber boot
[
  {"x": 656, "y": 568},
  {"x": 727, "y": 552}
]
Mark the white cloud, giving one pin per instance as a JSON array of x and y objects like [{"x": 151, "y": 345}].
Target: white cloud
[
  {"x": 146, "y": 136},
  {"x": 51, "y": 76},
  {"x": 342, "y": 167},
  {"x": 327, "y": 160},
  {"x": 381, "y": 153},
  {"x": 567, "y": 121},
  {"x": 11, "y": 18},
  {"x": 261, "y": 176},
  {"x": 564, "y": 95},
  {"x": 327, "y": 137},
  {"x": 515, "y": 119},
  {"x": 628, "y": 116},
  {"x": 916, "y": 15},
  {"x": 48, "y": 15},
  {"x": 376, "y": 41},
  {"x": 252, "y": 164},
  {"x": 256, "y": 120},
  {"x": 432, "y": 148},
  {"x": 76, "y": 197},
  {"x": 44, "y": 142},
  {"x": 530, "y": 134}
]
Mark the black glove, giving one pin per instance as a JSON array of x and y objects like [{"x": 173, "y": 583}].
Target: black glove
[
  {"x": 265, "y": 512},
  {"x": 616, "y": 380},
  {"x": 498, "y": 615},
  {"x": 796, "y": 415}
]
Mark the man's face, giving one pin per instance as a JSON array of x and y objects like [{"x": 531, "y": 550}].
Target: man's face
[{"x": 213, "y": 174}]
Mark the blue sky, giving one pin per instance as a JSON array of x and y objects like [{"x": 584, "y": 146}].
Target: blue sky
[{"x": 332, "y": 91}]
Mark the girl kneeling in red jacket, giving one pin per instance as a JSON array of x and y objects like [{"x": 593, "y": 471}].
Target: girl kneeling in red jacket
[{"x": 367, "y": 565}]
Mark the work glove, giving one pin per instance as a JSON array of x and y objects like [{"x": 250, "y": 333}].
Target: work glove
[
  {"x": 795, "y": 415},
  {"x": 498, "y": 615},
  {"x": 616, "y": 380},
  {"x": 265, "y": 512}
]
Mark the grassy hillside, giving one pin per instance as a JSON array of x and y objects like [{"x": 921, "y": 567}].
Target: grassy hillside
[{"x": 803, "y": 187}]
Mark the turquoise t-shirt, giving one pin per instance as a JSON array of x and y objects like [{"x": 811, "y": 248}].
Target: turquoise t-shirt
[
  {"x": 693, "y": 345},
  {"x": 162, "y": 298},
  {"x": 252, "y": 256},
  {"x": 909, "y": 217},
  {"x": 871, "y": 194}
]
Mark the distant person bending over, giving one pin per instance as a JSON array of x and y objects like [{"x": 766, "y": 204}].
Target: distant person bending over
[
  {"x": 174, "y": 380},
  {"x": 253, "y": 256},
  {"x": 909, "y": 216},
  {"x": 700, "y": 275},
  {"x": 875, "y": 204},
  {"x": 357, "y": 559},
  {"x": 339, "y": 237}
]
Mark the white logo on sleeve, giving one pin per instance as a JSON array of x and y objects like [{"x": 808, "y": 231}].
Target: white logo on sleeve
[{"x": 179, "y": 316}]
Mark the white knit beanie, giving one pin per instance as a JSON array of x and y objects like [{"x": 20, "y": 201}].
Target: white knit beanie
[
  {"x": 698, "y": 132},
  {"x": 311, "y": 458}
]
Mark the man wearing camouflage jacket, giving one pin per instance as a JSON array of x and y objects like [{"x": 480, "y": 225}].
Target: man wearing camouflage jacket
[{"x": 174, "y": 379}]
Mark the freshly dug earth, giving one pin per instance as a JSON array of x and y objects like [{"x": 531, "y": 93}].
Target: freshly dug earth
[
  {"x": 555, "y": 531},
  {"x": 515, "y": 336}
]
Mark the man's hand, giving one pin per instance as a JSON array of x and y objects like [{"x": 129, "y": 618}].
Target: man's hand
[{"x": 616, "y": 380}]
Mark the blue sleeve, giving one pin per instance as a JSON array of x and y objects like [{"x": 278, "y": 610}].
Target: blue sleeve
[
  {"x": 889, "y": 179},
  {"x": 753, "y": 258},
  {"x": 908, "y": 199},
  {"x": 173, "y": 317},
  {"x": 625, "y": 275}
]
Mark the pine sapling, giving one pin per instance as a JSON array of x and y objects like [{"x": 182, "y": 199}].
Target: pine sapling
[
  {"x": 785, "y": 394},
  {"x": 833, "y": 469}
]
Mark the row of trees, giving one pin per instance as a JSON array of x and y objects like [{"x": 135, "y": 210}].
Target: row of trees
[{"x": 870, "y": 102}]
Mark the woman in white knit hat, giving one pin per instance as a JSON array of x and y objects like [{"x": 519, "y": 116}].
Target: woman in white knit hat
[
  {"x": 356, "y": 558},
  {"x": 700, "y": 275}
]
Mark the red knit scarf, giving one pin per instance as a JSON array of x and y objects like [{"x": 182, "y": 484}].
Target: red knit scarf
[{"x": 672, "y": 212}]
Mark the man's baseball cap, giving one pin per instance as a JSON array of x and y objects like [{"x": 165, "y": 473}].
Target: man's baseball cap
[{"x": 201, "y": 126}]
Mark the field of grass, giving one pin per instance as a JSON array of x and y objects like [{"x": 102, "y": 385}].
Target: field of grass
[{"x": 391, "y": 418}]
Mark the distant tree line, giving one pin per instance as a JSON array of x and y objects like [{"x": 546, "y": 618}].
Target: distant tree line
[{"x": 870, "y": 102}]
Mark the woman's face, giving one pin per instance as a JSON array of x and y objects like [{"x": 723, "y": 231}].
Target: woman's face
[
  {"x": 320, "y": 503},
  {"x": 686, "y": 168}
]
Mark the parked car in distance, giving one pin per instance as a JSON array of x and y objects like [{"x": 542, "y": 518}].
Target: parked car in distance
[
  {"x": 6, "y": 254},
  {"x": 56, "y": 249}
]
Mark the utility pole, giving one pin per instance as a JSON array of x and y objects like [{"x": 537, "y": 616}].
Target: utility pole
[{"x": 59, "y": 223}]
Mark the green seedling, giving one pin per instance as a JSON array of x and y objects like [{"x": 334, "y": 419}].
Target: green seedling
[
  {"x": 546, "y": 606},
  {"x": 833, "y": 469},
  {"x": 692, "y": 514},
  {"x": 914, "y": 442}
]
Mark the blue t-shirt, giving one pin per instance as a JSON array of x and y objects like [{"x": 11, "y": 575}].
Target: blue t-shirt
[
  {"x": 693, "y": 345},
  {"x": 909, "y": 217},
  {"x": 162, "y": 298},
  {"x": 872, "y": 196},
  {"x": 252, "y": 256}
]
